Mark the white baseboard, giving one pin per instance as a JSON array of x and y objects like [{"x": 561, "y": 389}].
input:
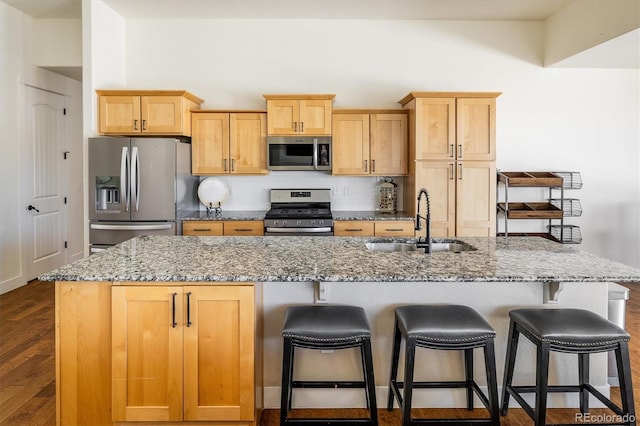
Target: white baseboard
[
  {"x": 422, "y": 398},
  {"x": 12, "y": 284}
]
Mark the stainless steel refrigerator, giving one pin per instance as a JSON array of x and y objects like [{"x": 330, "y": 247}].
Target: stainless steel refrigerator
[{"x": 138, "y": 186}]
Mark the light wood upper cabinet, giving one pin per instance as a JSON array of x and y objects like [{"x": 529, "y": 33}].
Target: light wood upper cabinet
[
  {"x": 131, "y": 113},
  {"x": 299, "y": 115},
  {"x": 369, "y": 143},
  {"x": 228, "y": 143},
  {"x": 476, "y": 129},
  {"x": 183, "y": 353},
  {"x": 223, "y": 227}
]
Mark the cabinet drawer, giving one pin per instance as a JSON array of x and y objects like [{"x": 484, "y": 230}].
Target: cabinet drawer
[
  {"x": 243, "y": 227},
  {"x": 353, "y": 228},
  {"x": 394, "y": 228},
  {"x": 202, "y": 227}
]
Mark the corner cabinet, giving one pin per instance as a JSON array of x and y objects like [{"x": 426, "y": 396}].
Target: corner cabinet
[
  {"x": 228, "y": 143},
  {"x": 151, "y": 112},
  {"x": 369, "y": 142},
  {"x": 452, "y": 151},
  {"x": 163, "y": 352},
  {"x": 299, "y": 115}
]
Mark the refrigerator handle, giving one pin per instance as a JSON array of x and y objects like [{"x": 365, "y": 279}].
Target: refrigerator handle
[
  {"x": 124, "y": 178},
  {"x": 135, "y": 179}
]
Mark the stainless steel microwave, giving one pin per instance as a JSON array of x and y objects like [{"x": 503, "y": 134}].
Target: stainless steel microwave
[{"x": 299, "y": 152}]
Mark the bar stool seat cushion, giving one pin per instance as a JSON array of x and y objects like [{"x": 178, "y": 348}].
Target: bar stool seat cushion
[
  {"x": 326, "y": 323},
  {"x": 443, "y": 323},
  {"x": 569, "y": 327}
]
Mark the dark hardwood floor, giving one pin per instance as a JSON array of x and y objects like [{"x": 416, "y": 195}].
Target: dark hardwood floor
[{"x": 27, "y": 364}]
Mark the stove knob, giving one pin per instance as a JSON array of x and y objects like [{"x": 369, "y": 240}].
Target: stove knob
[
  {"x": 298, "y": 222},
  {"x": 313, "y": 223},
  {"x": 284, "y": 223}
]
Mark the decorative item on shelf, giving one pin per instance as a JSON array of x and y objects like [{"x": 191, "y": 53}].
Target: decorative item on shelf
[
  {"x": 387, "y": 196},
  {"x": 212, "y": 193}
]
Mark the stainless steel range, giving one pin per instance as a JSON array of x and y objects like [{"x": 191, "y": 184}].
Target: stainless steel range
[{"x": 303, "y": 212}]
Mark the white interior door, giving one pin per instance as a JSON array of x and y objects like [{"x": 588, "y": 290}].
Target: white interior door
[{"x": 43, "y": 182}]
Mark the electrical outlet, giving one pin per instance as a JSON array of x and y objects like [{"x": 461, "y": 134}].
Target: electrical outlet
[
  {"x": 346, "y": 190},
  {"x": 334, "y": 190}
]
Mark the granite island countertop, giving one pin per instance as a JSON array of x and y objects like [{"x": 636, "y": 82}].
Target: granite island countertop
[{"x": 338, "y": 259}]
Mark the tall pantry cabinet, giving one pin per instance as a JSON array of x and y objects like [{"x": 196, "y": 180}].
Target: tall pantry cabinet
[{"x": 452, "y": 153}]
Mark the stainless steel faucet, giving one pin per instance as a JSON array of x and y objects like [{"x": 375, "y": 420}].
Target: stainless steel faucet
[{"x": 426, "y": 244}]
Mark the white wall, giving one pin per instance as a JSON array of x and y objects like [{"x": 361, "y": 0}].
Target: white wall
[
  {"x": 17, "y": 68},
  {"x": 582, "y": 120}
]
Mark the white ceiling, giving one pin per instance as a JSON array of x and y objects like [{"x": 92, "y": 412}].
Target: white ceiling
[{"x": 529, "y": 10}]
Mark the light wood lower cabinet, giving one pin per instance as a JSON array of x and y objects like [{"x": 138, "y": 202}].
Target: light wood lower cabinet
[
  {"x": 223, "y": 227},
  {"x": 156, "y": 353},
  {"x": 370, "y": 228}
]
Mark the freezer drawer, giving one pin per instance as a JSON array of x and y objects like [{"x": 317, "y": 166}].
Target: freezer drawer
[{"x": 109, "y": 233}]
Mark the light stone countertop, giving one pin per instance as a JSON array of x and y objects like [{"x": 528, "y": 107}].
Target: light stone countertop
[
  {"x": 259, "y": 215},
  {"x": 338, "y": 259}
]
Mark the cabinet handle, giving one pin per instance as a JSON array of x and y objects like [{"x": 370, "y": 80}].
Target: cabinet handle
[
  {"x": 353, "y": 229},
  {"x": 144, "y": 124},
  {"x": 394, "y": 229},
  {"x": 459, "y": 171},
  {"x": 225, "y": 164},
  {"x": 451, "y": 171},
  {"x": 242, "y": 229},
  {"x": 174, "y": 324},
  {"x": 373, "y": 166},
  {"x": 451, "y": 150},
  {"x": 135, "y": 124},
  {"x": 201, "y": 229},
  {"x": 295, "y": 126},
  {"x": 233, "y": 165},
  {"x": 302, "y": 127},
  {"x": 460, "y": 151},
  {"x": 365, "y": 166},
  {"x": 189, "y": 309}
]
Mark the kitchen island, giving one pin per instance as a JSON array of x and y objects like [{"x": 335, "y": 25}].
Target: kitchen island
[{"x": 104, "y": 341}]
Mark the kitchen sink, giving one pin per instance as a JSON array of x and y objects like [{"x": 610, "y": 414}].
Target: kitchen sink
[{"x": 453, "y": 246}]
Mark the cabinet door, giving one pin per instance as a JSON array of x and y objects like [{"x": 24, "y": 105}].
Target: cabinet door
[
  {"x": 248, "y": 143},
  {"x": 219, "y": 353},
  {"x": 389, "y": 146},
  {"x": 438, "y": 178},
  {"x": 476, "y": 133},
  {"x": 350, "y": 144},
  {"x": 161, "y": 114},
  {"x": 393, "y": 228},
  {"x": 435, "y": 135},
  {"x": 119, "y": 115},
  {"x": 476, "y": 199},
  {"x": 202, "y": 227},
  {"x": 147, "y": 353},
  {"x": 315, "y": 117},
  {"x": 210, "y": 143},
  {"x": 243, "y": 227},
  {"x": 283, "y": 116},
  {"x": 353, "y": 228}
]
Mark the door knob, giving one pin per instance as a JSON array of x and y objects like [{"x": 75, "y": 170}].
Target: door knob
[{"x": 30, "y": 207}]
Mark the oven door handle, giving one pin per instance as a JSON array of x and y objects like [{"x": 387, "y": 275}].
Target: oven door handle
[{"x": 299, "y": 230}]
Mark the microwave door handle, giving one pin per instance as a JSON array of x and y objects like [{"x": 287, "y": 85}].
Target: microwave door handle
[
  {"x": 315, "y": 153},
  {"x": 124, "y": 178}
]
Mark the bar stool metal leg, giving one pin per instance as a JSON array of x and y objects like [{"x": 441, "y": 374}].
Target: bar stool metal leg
[
  {"x": 468, "y": 366},
  {"x": 510, "y": 362},
  {"x": 542, "y": 380},
  {"x": 395, "y": 358},
  {"x": 583, "y": 381},
  {"x": 287, "y": 374},
  {"x": 624, "y": 373},
  {"x": 492, "y": 381},
  {"x": 409, "y": 362}
]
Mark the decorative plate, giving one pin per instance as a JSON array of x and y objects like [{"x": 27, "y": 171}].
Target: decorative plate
[{"x": 213, "y": 192}]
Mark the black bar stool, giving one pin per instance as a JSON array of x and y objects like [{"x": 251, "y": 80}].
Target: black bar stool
[
  {"x": 444, "y": 327},
  {"x": 571, "y": 331},
  {"x": 327, "y": 327}
]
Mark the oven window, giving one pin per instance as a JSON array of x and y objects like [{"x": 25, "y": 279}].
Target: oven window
[{"x": 291, "y": 155}]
